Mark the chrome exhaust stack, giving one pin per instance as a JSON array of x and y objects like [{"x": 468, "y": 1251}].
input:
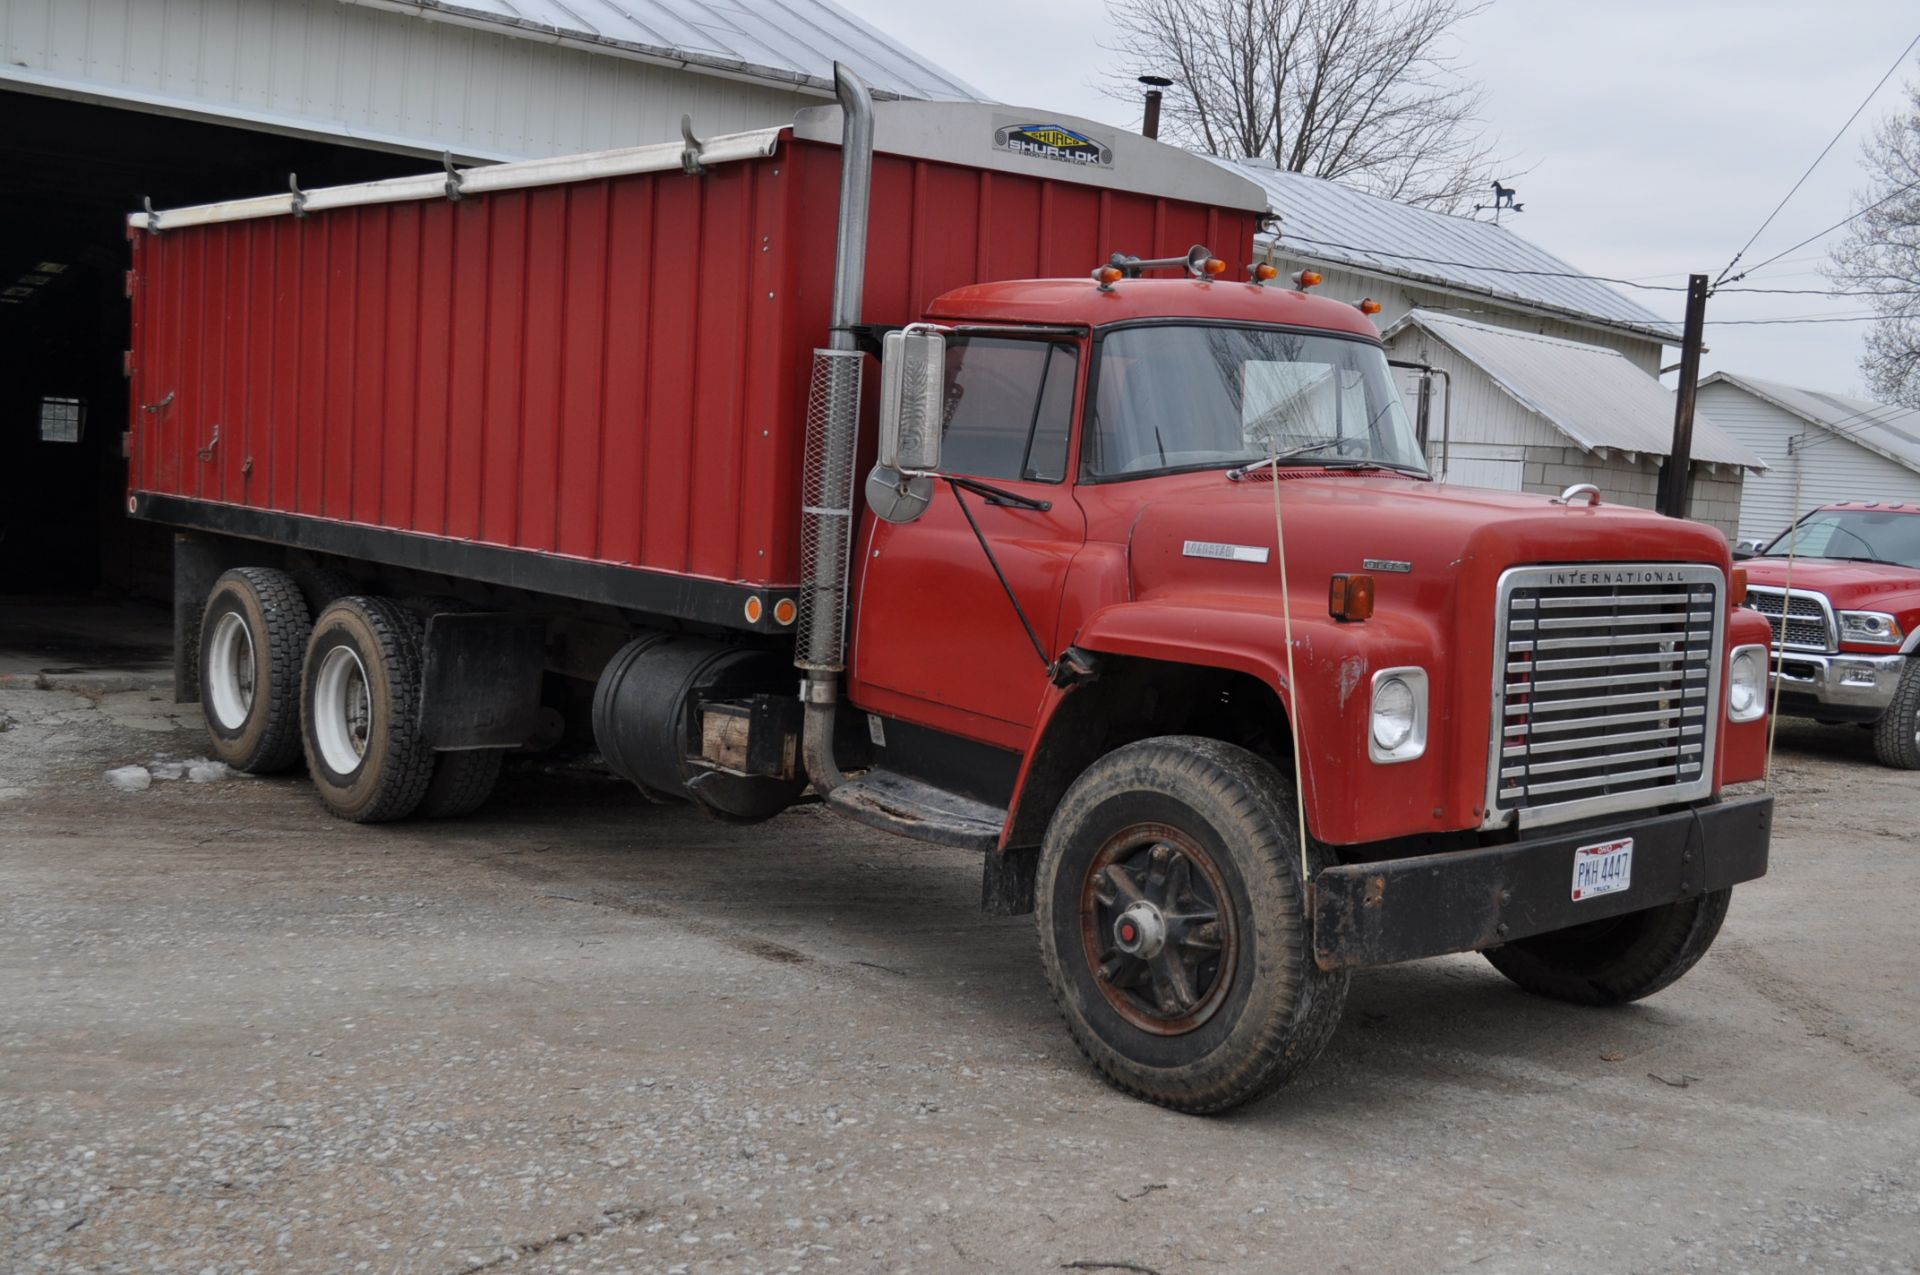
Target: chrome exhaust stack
[{"x": 833, "y": 422}]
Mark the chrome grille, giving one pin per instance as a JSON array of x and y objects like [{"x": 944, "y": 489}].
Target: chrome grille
[
  {"x": 1606, "y": 685},
  {"x": 1808, "y": 617}
]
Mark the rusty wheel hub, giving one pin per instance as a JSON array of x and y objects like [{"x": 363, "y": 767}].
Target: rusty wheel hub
[{"x": 1157, "y": 926}]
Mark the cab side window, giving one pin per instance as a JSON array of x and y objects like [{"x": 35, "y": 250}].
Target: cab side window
[{"x": 1009, "y": 408}]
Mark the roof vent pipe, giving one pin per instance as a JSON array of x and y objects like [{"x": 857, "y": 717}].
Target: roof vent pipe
[{"x": 833, "y": 420}]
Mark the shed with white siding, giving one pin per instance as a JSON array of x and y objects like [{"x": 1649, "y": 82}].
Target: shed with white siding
[
  {"x": 1538, "y": 413},
  {"x": 1819, "y": 448}
]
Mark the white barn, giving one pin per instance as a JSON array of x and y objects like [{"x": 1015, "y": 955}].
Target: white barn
[
  {"x": 1539, "y": 413},
  {"x": 1818, "y": 447}
]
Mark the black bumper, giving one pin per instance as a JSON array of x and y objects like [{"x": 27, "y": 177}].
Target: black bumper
[{"x": 1404, "y": 909}]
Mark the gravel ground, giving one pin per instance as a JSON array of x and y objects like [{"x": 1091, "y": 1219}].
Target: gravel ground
[{"x": 581, "y": 1033}]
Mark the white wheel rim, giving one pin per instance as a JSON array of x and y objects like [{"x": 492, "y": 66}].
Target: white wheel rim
[
  {"x": 342, "y": 710},
  {"x": 231, "y": 671}
]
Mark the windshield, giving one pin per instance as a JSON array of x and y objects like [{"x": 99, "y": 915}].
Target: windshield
[
  {"x": 1192, "y": 397},
  {"x": 1860, "y": 535}
]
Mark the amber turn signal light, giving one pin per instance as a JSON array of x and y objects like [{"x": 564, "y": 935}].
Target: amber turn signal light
[
  {"x": 1737, "y": 586},
  {"x": 1351, "y": 597},
  {"x": 1265, "y": 271},
  {"x": 1304, "y": 279},
  {"x": 1369, "y": 306}
]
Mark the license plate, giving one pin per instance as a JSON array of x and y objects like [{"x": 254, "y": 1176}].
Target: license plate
[{"x": 1602, "y": 869}]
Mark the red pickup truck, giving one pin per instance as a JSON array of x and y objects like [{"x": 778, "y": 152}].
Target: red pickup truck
[
  {"x": 1147, "y": 596},
  {"x": 1846, "y": 640}
]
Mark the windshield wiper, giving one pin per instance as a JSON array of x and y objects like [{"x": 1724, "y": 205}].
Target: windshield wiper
[{"x": 1242, "y": 471}]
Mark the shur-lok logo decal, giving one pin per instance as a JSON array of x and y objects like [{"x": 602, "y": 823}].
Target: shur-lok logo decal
[{"x": 1052, "y": 141}]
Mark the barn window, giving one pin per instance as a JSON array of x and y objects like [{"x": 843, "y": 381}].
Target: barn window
[{"x": 61, "y": 419}]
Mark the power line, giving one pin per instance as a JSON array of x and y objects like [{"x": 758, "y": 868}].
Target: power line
[
  {"x": 1888, "y": 198},
  {"x": 1469, "y": 265},
  {"x": 1843, "y": 318},
  {"x": 1817, "y": 158},
  {"x": 1595, "y": 278}
]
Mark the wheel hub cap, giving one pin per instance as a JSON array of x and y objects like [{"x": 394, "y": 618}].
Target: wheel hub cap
[
  {"x": 1141, "y": 931},
  {"x": 1157, "y": 925}
]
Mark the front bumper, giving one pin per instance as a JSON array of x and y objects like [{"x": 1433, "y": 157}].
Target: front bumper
[
  {"x": 1464, "y": 901},
  {"x": 1860, "y": 686}
]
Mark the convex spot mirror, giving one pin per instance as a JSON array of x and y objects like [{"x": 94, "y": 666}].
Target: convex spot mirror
[{"x": 913, "y": 380}]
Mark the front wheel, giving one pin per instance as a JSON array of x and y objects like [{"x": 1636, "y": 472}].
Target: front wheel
[
  {"x": 1173, "y": 925},
  {"x": 1896, "y": 736},
  {"x": 1619, "y": 959}
]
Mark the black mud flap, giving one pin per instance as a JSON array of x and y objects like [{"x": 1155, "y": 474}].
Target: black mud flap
[
  {"x": 481, "y": 680},
  {"x": 1468, "y": 900}
]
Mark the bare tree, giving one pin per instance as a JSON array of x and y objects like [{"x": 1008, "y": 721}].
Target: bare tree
[
  {"x": 1880, "y": 254},
  {"x": 1359, "y": 91}
]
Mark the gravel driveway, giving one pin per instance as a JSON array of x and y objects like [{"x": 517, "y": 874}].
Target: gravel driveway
[{"x": 581, "y": 1032}]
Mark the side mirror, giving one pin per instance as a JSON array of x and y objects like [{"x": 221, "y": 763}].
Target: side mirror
[
  {"x": 913, "y": 382},
  {"x": 1744, "y": 550}
]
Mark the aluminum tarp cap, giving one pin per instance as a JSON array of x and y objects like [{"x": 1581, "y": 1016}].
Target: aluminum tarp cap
[{"x": 1039, "y": 143}]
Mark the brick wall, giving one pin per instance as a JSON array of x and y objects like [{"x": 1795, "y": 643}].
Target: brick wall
[{"x": 1551, "y": 470}]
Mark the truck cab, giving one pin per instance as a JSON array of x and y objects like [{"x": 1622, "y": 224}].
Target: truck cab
[
  {"x": 1841, "y": 592},
  {"x": 1148, "y": 561}
]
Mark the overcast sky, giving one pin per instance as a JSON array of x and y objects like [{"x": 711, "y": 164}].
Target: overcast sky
[{"x": 1658, "y": 134}]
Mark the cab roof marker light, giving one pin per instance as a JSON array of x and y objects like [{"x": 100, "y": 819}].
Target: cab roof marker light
[
  {"x": 1304, "y": 279},
  {"x": 1263, "y": 272},
  {"x": 1368, "y": 306}
]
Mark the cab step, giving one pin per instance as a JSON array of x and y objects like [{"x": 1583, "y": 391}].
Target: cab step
[{"x": 896, "y": 803}]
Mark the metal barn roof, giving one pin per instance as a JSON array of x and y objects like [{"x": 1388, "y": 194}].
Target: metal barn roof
[
  {"x": 1592, "y": 395},
  {"x": 1325, "y": 221},
  {"x": 791, "y": 43},
  {"x": 1883, "y": 428}
]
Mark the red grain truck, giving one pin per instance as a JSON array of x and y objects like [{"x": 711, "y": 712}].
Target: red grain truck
[{"x": 1145, "y": 593}]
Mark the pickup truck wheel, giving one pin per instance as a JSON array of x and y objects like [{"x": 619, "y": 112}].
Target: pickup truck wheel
[
  {"x": 1173, "y": 925},
  {"x": 251, "y": 637},
  {"x": 1896, "y": 736},
  {"x": 359, "y": 710},
  {"x": 1620, "y": 959}
]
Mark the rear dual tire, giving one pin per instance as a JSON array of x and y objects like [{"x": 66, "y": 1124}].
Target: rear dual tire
[
  {"x": 360, "y": 710},
  {"x": 253, "y": 635}
]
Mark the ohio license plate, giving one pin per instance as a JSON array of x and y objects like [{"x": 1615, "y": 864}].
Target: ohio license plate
[{"x": 1603, "y": 868}]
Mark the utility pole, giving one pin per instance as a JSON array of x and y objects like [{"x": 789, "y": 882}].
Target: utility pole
[
  {"x": 1150, "y": 125},
  {"x": 1674, "y": 493}
]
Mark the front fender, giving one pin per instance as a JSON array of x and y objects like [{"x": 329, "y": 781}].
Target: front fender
[{"x": 1349, "y": 798}]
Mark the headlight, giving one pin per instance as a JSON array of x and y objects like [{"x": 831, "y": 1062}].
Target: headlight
[
  {"x": 1747, "y": 684},
  {"x": 1397, "y": 727},
  {"x": 1876, "y": 628}
]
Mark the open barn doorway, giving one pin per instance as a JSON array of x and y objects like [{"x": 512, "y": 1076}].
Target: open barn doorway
[{"x": 70, "y": 172}]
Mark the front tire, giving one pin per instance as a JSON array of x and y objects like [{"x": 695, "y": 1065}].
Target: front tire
[
  {"x": 1896, "y": 736},
  {"x": 1619, "y": 959},
  {"x": 1174, "y": 929},
  {"x": 360, "y": 710},
  {"x": 252, "y": 635}
]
